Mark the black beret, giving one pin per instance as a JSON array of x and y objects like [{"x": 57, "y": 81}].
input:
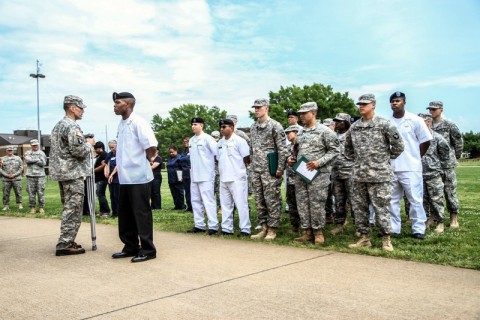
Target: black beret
[
  {"x": 197, "y": 120},
  {"x": 227, "y": 122},
  {"x": 397, "y": 94},
  {"x": 292, "y": 113},
  {"x": 122, "y": 95}
]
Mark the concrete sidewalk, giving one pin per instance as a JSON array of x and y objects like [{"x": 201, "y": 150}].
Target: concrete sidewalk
[{"x": 200, "y": 277}]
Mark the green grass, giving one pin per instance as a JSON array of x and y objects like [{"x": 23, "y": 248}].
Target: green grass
[{"x": 456, "y": 247}]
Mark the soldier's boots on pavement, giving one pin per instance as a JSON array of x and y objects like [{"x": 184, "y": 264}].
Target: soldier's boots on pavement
[
  {"x": 319, "y": 239},
  {"x": 364, "y": 241},
  {"x": 72, "y": 249},
  {"x": 338, "y": 229},
  {"x": 440, "y": 228},
  {"x": 306, "y": 237},
  {"x": 454, "y": 220},
  {"x": 262, "y": 234},
  {"x": 271, "y": 234},
  {"x": 386, "y": 243},
  {"x": 5, "y": 208}
]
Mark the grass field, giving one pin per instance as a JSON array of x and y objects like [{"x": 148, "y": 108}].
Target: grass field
[{"x": 456, "y": 247}]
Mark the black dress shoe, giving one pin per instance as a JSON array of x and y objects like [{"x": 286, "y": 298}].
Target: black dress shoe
[
  {"x": 243, "y": 234},
  {"x": 212, "y": 232},
  {"x": 122, "y": 254},
  {"x": 195, "y": 230},
  {"x": 143, "y": 257},
  {"x": 419, "y": 236},
  {"x": 224, "y": 233}
]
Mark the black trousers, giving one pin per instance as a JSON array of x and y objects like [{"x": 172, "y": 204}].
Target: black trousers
[{"x": 135, "y": 220}]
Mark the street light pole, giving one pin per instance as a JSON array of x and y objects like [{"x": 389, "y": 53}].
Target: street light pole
[{"x": 36, "y": 76}]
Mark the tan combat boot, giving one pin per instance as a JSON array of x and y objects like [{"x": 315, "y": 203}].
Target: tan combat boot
[
  {"x": 338, "y": 229},
  {"x": 454, "y": 220},
  {"x": 364, "y": 241},
  {"x": 41, "y": 211},
  {"x": 386, "y": 243},
  {"x": 20, "y": 206},
  {"x": 430, "y": 221},
  {"x": 440, "y": 228},
  {"x": 271, "y": 234},
  {"x": 306, "y": 237},
  {"x": 319, "y": 239},
  {"x": 5, "y": 208},
  {"x": 32, "y": 211},
  {"x": 262, "y": 233}
]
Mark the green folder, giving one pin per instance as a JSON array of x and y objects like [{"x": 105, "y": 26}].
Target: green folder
[{"x": 272, "y": 163}]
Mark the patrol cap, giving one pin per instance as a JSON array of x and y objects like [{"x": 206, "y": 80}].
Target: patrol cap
[
  {"x": 366, "y": 98},
  {"x": 74, "y": 100},
  {"x": 122, "y": 95},
  {"x": 232, "y": 117},
  {"x": 309, "y": 106},
  {"x": 292, "y": 113},
  {"x": 328, "y": 122},
  {"x": 215, "y": 134},
  {"x": 197, "y": 120},
  {"x": 9, "y": 148},
  {"x": 397, "y": 94},
  {"x": 294, "y": 127},
  {"x": 34, "y": 142},
  {"x": 425, "y": 116},
  {"x": 435, "y": 105},
  {"x": 225, "y": 122},
  {"x": 260, "y": 103},
  {"x": 342, "y": 117}
]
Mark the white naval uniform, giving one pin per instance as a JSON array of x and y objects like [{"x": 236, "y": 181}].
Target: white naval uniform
[
  {"x": 233, "y": 182},
  {"x": 407, "y": 172},
  {"x": 203, "y": 149}
]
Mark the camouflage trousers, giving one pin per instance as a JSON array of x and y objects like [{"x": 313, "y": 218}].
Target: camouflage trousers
[
  {"x": 433, "y": 198},
  {"x": 330, "y": 203},
  {"x": 216, "y": 188},
  {"x": 379, "y": 195},
  {"x": 17, "y": 188},
  {"x": 311, "y": 199},
  {"x": 342, "y": 193},
  {"x": 268, "y": 198},
  {"x": 72, "y": 192},
  {"x": 449, "y": 178},
  {"x": 36, "y": 189},
  {"x": 292, "y": 206}
]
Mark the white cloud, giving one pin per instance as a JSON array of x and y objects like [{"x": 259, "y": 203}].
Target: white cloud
[{"x": 466, "y": 80}]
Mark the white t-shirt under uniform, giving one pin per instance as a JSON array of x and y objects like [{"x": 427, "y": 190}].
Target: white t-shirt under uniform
[{"x": 230, "y": 158}]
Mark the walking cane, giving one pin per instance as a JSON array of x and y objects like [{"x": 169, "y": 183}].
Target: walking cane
[{"x": 91, "y": 202}]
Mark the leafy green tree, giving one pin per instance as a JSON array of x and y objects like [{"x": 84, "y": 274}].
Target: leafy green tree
[
  {"x": 291, "y": 98},
  {"x": 172, "y": 129},
  {"x": 472, "y": 143}
]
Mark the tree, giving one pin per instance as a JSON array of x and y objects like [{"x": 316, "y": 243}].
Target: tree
[
  {"x": 291, "y": 98},
  {"x": 471, "y": 143},
  {"x": 171, "y": 130}
]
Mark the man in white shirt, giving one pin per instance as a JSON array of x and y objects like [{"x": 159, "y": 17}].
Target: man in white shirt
[
  {"x": 407, "y": 167},
  {"x": 203, "y": 149},
  {"x": 233, "y": 157},
  {"x": 136, "y": 144}
]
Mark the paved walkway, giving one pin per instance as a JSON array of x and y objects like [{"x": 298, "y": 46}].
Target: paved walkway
[{"x": 200, "y": 277}]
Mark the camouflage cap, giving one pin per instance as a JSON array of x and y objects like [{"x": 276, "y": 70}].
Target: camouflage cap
[
  {"x": 34, "y": 142},
  {"x": 366, "y": 98},
  {"x": 74, "y": 100},
  {"x": 9, "y": 148},
  {"x": 435, "y": 105},
  {"x": 294, "y": 127},
  {"x": 309, "y": 106},
  {"x": 342, "y": 117},
  {"x": 232, "y": 117},
  {"x": 260, "y": 103},
  {"x": 425, "y": 116},
  {"x": 215, "y": 134},
  {"x": 328, "y": 122}
]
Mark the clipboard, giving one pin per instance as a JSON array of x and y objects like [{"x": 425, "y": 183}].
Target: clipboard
[{"x": 300, "y": 169}]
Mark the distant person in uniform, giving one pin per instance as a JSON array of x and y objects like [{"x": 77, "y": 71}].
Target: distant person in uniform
[
  {"x": 156, "y": 197},
  {"x": 186, "y": 166},
  {"x": 112, "y": 177},
  {"x": 100, "y": 179},
  {"x": 174, "y": 179},
  {"x": 36, "y": 161},
  {"x": 11, "y": 171}
]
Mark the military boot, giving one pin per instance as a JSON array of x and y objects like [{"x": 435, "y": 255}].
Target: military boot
[
  {"x": 364, "y": 241},
  {"x": 41, "y": 211},
  {"x": 386, "y": 243},
  {"x": 430, "y": 221},
  {"x": 319, "y": 239},
  {"x": 440, "y": 228},
  {"x": 306, "y": 237},
  {"x": 20, "y": 206},
  {"x": 32, "y": 211},
  {"x": 5, "y": 208},
  {"x": 338, "y": 229},
  {"x": 271, "y": 234},
  {"x": 262, "y": 233},
  {"x": 454, "y": 220}
]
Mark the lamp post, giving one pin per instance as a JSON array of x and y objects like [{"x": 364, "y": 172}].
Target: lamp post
[{"x": 36, "y": 76}]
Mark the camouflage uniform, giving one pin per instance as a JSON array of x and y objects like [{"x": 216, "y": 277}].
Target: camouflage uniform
[
  {"x": 69, "y": 164},
  {"x": 371, "y": 144},
  {"x": 267, "y": 137},
  {"x": 290, "y": 192},
  {"x": 36, "y": 161},
  {"x": 316, "y": 144},
  {"x": 12, "y": 165}
]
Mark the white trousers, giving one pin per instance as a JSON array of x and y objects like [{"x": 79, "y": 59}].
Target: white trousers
[
  {"x": 201, "y": 194},
  {"x": 235, "y": 192},
  {"x": 410, "y": 183}
]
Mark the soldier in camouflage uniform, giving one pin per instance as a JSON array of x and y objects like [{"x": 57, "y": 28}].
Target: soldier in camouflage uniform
[
  {"x": 437, "y": 153},
  {"x": 216, "y": 186},
  {"x": 36, "y": 160},
  {"x": 455, "y": 141},
  {"x": 69, "y": 165},
  {"x": 330, "y": 204},
  {"x": 371, "y": 142},
  {"x": 341, "y": 175},
  {"x": 267, "y": 136},
  {"x": 319, "y": 145},
  {"x": 11, "y": 172},
  {"x": 292, "y": 150}
]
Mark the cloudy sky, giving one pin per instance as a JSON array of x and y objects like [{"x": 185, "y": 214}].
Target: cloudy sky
[{"x": 227, "y": 53}]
